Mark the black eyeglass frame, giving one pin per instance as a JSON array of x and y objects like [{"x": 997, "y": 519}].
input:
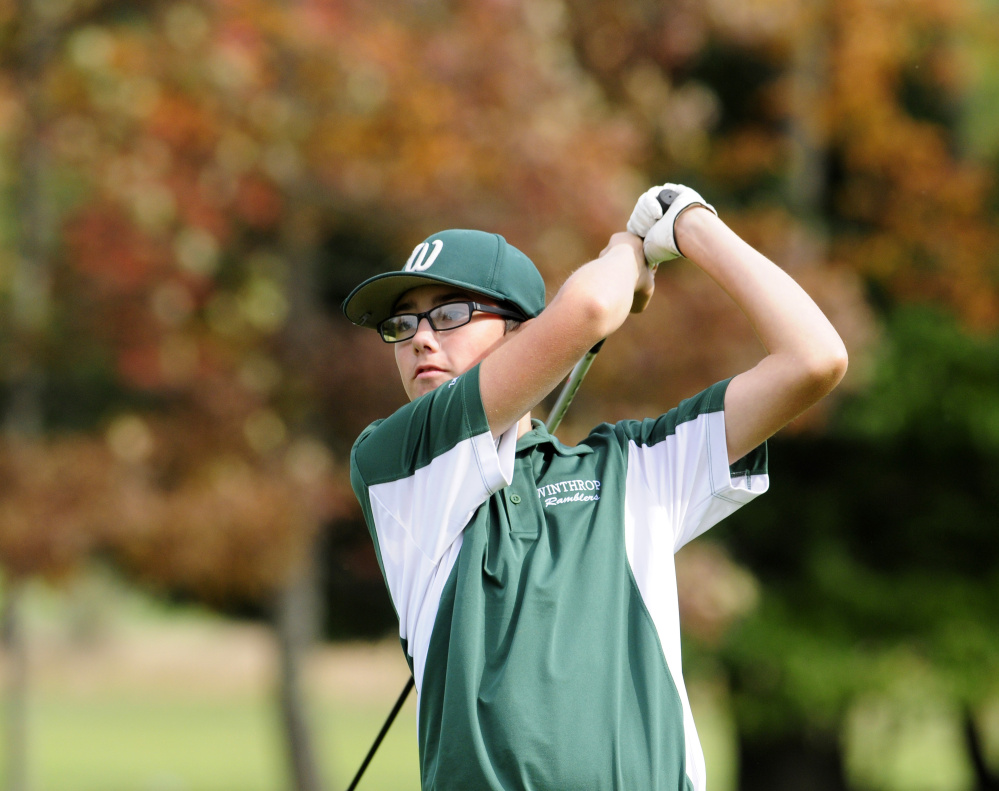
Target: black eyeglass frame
[{"x": 473, "y": 307}]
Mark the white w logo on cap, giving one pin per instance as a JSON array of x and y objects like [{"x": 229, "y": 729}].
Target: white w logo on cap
[{"x": 419, "y": 261}]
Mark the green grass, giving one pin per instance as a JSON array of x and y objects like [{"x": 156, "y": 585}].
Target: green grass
[
  {"x": 175, "y": 743},
  {"x": 174, "y": 712},
  {"x": 347, "y": 739},
  {"x": 115, "y": 745},
  {"x": 108, "y": 710}
]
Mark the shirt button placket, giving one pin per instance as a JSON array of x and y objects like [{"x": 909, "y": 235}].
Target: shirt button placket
[{"x": 526, "y": 518}]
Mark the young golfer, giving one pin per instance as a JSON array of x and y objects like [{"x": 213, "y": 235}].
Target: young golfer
[{"x": 534, "y": 582}]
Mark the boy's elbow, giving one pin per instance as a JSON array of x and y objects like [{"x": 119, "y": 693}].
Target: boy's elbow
[
  {"x": 842, "y": 362},
  {"x": 598, "y": 311},
  {"x": 826, "y": 370},
  {"x": 604, "y": 314}
]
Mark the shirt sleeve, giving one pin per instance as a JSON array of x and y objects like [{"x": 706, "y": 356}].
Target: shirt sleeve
[
  {"x": 419, "y": 476},
  {"x": 678, "y": 471}
]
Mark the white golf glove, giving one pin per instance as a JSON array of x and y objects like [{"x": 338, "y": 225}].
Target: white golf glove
[{"x": 654, "y": 215}]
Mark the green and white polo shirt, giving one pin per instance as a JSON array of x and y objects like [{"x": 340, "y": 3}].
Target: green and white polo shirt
[{"x": 535, "y": 587}]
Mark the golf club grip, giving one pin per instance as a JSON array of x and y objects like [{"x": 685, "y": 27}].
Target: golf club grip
[{"x": 666, "y": 198}]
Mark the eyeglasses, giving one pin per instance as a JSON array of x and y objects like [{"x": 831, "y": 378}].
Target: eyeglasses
[{"x": 449, "y": 316}]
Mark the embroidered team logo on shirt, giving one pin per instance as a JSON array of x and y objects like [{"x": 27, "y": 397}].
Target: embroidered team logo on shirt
[{"x": 577, "y": 490}]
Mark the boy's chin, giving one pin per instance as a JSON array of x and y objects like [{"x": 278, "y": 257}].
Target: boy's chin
[{"x": 422, "y": 387}]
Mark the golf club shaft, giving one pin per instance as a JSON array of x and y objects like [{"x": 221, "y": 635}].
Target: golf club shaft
[
  {"x": 381, "y": 734},
  {"x": 571, "y": 386},
  {"x": 554, "y": 419}
]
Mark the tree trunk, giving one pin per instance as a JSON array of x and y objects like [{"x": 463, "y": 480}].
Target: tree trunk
[
  {"x": 29, "y": 307},
  {"x": 807, "y": 182},
  {"x": 296, "y": 609},
  {"x": 298, "y": 613},
  {"x": 807, "y": 174},
  {"x": 16, "y": 719},
  {"x": 985, "y": 778},
  {"x": 812, "y": 761}
]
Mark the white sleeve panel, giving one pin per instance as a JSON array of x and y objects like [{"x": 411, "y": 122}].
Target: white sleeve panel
[
  {"x": 687, "y": 475},
  {"x": 434, "y": 504},
  {"x": 419, "y": 521}
]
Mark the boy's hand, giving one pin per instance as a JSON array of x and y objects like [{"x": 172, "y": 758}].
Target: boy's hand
[
  {"x": 645, "y": 284},
  {"x": 654, "y": 216}
]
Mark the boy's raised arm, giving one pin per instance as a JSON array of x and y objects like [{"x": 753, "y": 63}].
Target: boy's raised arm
[
  {"x": 592, "y": 303},
  {"x": 805, "y": 358}
]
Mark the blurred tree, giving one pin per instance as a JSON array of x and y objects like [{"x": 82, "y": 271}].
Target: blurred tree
[
  {"x": 29, "y": 302},
  {"x": 205, "y": 491}
]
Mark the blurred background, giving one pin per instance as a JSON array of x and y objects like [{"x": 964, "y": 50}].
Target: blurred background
[{"x": 189, "y": 189}]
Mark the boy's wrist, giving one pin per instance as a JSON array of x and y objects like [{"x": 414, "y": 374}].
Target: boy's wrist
[
  {"x": 629, "y": 248},
  {"x": 690, "y": 227}
]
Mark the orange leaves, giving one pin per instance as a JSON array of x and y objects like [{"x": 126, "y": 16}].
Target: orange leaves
[
  {"x": 183, "y": 125},
  {"x": 257, "y": 203},
  {"x": 200, "y": 155},
  {"x": 216, "y": 526},
  {"x": 54, "y": 509},
  {"x": 447, "y": 113},
  {"x": 746, "y": 156},
  {"x": 201, "y": 514},
  {"x": 851, "y": 113},
  {"x": 233, "y": 532},
  {"x": 112, "y": 251},
  {"x": 931, "y": 237},
  {"x": 880, "y": 111}
]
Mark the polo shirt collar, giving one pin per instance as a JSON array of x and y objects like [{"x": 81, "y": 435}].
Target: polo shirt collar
[{"x": 539, "y": 435}]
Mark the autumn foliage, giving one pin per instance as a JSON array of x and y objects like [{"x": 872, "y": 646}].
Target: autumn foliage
[{"x": 202, "y": 182}]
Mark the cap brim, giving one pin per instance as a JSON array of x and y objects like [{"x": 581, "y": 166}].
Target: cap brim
[{"x": 373, "y": 300}]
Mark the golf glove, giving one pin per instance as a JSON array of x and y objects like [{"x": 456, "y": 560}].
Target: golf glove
[{"x": 654, "y": 215}]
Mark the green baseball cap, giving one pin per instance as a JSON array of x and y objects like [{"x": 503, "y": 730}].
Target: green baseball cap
[{"x": 472, "y": 260}]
